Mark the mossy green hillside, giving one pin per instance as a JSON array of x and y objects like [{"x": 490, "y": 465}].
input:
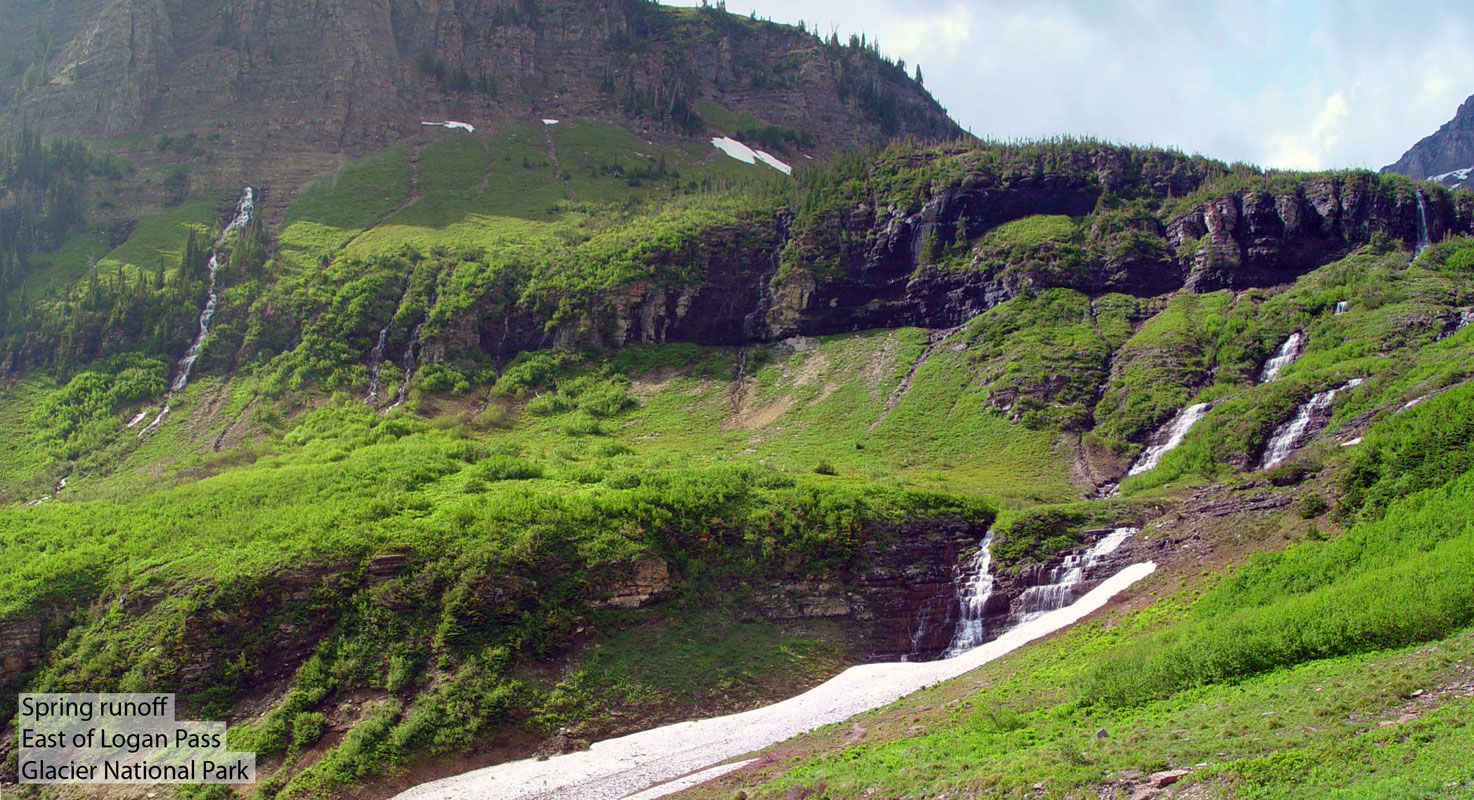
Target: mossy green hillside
[{"x": 1335, "y": 668}]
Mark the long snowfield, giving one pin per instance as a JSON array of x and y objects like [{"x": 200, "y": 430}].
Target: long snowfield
[{"x": 657, "y": 762}]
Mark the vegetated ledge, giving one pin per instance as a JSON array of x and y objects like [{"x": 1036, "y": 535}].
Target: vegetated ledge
[{"x": 866, "y": 263}]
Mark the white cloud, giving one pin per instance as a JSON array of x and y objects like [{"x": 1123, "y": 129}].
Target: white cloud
[
  {"x": 1312, "y": 148},
  {"x": 1293, "y": 83},
  {"x": 920, "y": 36}
]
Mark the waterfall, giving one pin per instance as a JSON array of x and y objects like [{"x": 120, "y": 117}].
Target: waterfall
[
  {"x": 243, "y": 210},
  {"x": 972, "y": 600},
  {"x": 376, "y": 360},
  {"x": 1423, "y": 242},
  {"x": 409, "y": 365},
  {"x": 1466, "y": 315},
  {"x": 1171, "y": 437},
  {"x": 1063, "y": 580},
  {"x": 1288, "y": 351},
  {"x": 1341, "y": 307},
  {"x": 1308, "y": 420}
]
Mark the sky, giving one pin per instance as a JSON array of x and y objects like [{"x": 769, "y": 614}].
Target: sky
[{"x": 1279, "y": 83}]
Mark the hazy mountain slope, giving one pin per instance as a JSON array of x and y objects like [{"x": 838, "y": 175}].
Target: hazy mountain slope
[{"x": 271, "y": 92}]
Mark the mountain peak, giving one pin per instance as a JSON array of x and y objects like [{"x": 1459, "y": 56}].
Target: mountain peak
[{"x": 1446, "y": 156}]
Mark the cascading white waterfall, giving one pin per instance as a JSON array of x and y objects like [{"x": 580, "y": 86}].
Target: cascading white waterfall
[
  {"x": 1341, "y": 307},
  {"x": 1288, "y": 351},
  {"x": 376, "y": 361},
  {"x": 972, "y": 600},
  {"x": 409, "y": 366},
  {"x": 1423, "y": 242},
  {"x": 244, "y": 208},
  {"x": 1063, "y": 580},
  {"x": 1175, "y": 430},
  {"x": 1308, "y": 420}
]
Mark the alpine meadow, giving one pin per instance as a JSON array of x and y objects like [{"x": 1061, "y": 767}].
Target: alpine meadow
[{"x": 602, "y": 399}]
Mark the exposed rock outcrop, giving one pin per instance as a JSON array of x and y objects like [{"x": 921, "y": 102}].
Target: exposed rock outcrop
[
  {"x": 20, "y": 647},
  {"x": 642, "y": 583},
  {"x": 904, "y": 588},
  {"x": 1242, "y": 239}
]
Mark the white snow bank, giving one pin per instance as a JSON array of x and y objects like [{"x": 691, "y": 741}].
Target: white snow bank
[
  {"x": 616, "y": 768},
  {"x": 550, "y": 122},
  {"x": 747, "y": 155},
  {"x": 1458, "y": 174},
  {"x": 451, "y": 124},
  {"x": 694, "y": 779}
]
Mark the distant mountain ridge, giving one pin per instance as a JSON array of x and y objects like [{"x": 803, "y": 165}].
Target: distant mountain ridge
[
  {"x": 1446, "y": 156},
  {"x": 288, "y": 86}
]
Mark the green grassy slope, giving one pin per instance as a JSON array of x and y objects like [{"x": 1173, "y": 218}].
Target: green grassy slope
[
  {"x": 1337, "y": 668},
  {"x": 239, "y": 554}
]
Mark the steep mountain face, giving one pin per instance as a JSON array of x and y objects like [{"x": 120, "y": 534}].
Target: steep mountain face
[
  {"x": 276, "y": 86},
  {"x": 1446, "y": 156}
]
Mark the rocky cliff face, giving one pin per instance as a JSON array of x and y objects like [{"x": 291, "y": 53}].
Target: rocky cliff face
[
  {"x": 1241, "y": 239},
  {"x": 1445, "y": 156},
  {"x": 290, "y": 82},
  {"x": 903, "y": 600}
]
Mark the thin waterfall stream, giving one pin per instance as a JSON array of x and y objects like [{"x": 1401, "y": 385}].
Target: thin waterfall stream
[
  {"x": 1065, "y": 579},
  {"x": 410, "y": 358},
  {"x": 974, "y": 589},
  {"x": 1309, "y": 419},
  {"x": 244, "y": 208},
  {"x": 1171, "y": 436},
  {"x": 1423, "y": 240},
  {"x": 1286, "y": 353},
  {"x": 376, "y": 362}
]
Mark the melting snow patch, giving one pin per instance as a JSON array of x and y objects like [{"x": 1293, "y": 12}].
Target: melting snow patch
[
  {"x": 1351, "y": 442},
  {"x": 550, "y": 122},
  {"x": 617, "y": 768},
  {"x": 451, "y": 124},
  {"x": 747, "y": 155},
  {"x": 1458, "y": 174},
  {"x": 690, "y": 780}
]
